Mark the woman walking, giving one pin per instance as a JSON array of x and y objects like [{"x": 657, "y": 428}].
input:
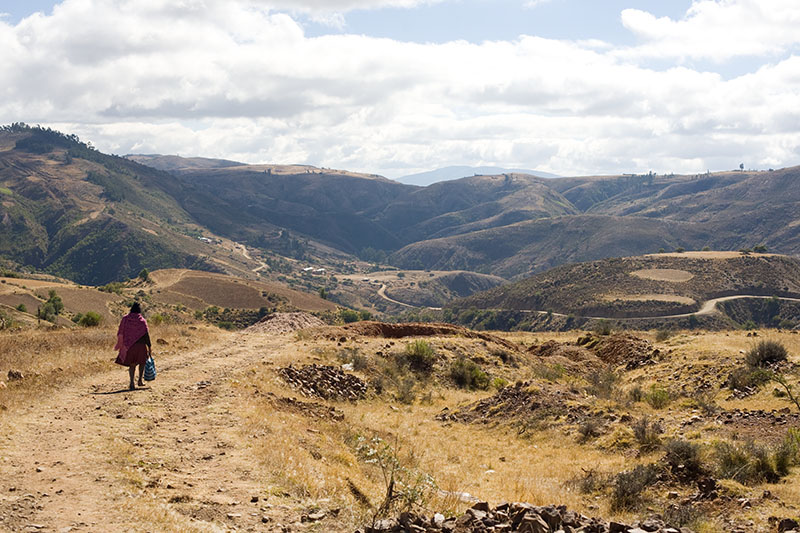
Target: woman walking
[{"x": 133, "y": 343}]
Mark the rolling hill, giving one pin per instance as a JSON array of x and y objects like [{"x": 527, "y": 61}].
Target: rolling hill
[
  {"x": 650, "y": 285},
  {"x": 70, "y": 210}
]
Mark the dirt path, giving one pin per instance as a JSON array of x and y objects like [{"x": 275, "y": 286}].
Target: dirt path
[{"x": 93, "y": 456}]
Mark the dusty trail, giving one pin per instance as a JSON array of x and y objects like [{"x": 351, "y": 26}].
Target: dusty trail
[{"x": 93, "y": 455}]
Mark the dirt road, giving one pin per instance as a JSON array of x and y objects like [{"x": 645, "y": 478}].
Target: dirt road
[{"x": 95, "y": 457}]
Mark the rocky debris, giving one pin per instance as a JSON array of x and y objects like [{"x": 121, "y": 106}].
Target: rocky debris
[
  {"x": 15, "y": 375},
  {"x": 520, "y": 401},
  {"x": 280, "y": 323},
  {"x": 309, "y": 409},
  {"x": 413, "y": 329},
  {"x": 760, "y": 424},
  {"x": 620, "y": 349},
  {"x": 787, "y": 525},
  {"x": 322, "y": 381},
  {"x": 515, "y": 517}
]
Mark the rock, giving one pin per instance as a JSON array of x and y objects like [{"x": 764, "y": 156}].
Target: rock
[
  {"x": 438, "y": 520},
  {"x": 265, "y": 519},
  {"x": 233, "y": 516},
  {"x": 2, "y": 384},
  {"x": 315, "y": 516},
  {"x": 482, "y": 506},
  {"x": 672, "y": 495},
  {"x": 15, "y": 375},
  {"x": 254, "y": 499},
  {"x": 162, "y": 342},
  {"x": 787, "y": 524}
]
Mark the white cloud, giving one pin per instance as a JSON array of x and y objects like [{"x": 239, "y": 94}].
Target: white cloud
[
  {"x": 717, "y": 30},
  {"x": 239, "y": 81}
]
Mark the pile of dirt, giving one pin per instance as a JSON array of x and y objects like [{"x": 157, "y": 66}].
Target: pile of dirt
[
  {"x": 517, "y": 402},
  {"x": 620, "y": 349},
  {"x": 322, "y": 381},
  {"x": 280, "y": 323},
  {"x": 412, "y": 329},
  {"x": 575, "y": 359},
  {"x": 515, "y": 517}
]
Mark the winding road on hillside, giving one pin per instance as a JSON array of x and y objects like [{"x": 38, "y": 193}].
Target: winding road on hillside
[
  {"x": 92, "y": 456},
  {"x": 709, "y": 306}
]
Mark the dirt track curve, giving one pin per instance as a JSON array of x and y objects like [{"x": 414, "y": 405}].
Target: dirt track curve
[{"x": 93, "y": 455}]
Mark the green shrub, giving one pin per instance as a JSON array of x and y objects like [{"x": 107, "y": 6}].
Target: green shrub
[
  {"x": 589, "y": 429},
  {"x": 467, "y": 375},
  {"x": 420, "y": 356},
  {"x": 157, "y": 319},
  {"x": 683, "y": 459},
  {"x": 499, "y": 383},
  {"x": 647, "y": 433},
  {"x": 348, "y": 316},
  {"x": 549, "y": 372},
  {"x": 22, "y": 309},
  {"x": 603, "y": 327},
  {"x": 745, "y": 377},
  {"x": 629, "y": 486},
  {"x": 113, "y": 287},
  {"x": 750, "y": 463},
  {"x": 766, "y": 353},
  {"x": 90, "y": 319},
  {"x": 657, "y": 397},
  {"x": 144, "y": 274}
]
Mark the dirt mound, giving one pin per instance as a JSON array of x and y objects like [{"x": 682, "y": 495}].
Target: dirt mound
[
  {"x": 512, "y": 517},
  {"x": 620, "y": 349},
  {"x": 327, "y": 382},
  {"x": 518, "y": 402},
  {"x": 413, "y": 329},
  {"x": 575, "y": 359},
  {"x": 280, "y": 323}
]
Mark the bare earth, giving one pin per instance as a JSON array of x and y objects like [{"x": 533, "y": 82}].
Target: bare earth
[
  {"x": 663, "y": 274},
  {"x": 76, "y": 461}
]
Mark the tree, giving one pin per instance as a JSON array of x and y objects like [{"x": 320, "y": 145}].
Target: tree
[
  {"x": 741, "y": 166},
  {"x": 144, "y": 275}
]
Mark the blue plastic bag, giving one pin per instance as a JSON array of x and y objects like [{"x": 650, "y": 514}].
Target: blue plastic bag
[{"x": 150, "y": 370}]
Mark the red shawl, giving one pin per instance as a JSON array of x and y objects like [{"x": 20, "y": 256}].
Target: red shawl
[{"x": 132, "y": 327}]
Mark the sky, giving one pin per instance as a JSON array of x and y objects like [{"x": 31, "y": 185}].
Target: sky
[{"x": 395, "y": 87}]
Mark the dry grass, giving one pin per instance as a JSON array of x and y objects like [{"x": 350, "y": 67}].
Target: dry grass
[
  {"x": 664, "y": 274},
  {"x": 49, "y": 359}
]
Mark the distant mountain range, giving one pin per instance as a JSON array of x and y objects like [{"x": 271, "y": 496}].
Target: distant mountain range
[
  {"x": 72, "y": 211},
  {"x": 423, "y": 179}
]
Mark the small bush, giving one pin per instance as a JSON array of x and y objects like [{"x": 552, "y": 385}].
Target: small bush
[
  {"x": 629, "y": 486},
  {"x": 603, "y": 327},
  {"x": 549, "y": 372},
  {"x": 647, "y": 433},
  {"x": 589, "y": 429},
  {"x": 745, "y": 377},
  {"x": 144, "y": 275},
  {"x": 157, "y": 319},
  {"x": 420, "y": 356},
  {"x": 22, "y": 309},
  {"x": 683, "y": 459},
  {"x": 657, "y": 397},
  {"x": 467, "y": 375},
  {"x": 750, "y": 463},
  {"x": 90, "y": 319},
  {"x": 499, "y": 383},
  {"x": 603, "y": 383},
  {"x": 349, "y": 316},
  {"x": 636, "y": 394},
  {"x": 765, "y": 353},
  {"x": 663, "y": 334},
  {"x": 405, "y": 390}
]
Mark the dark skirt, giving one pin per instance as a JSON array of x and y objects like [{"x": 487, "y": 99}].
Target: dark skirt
[{"x": 137, "y": 354}]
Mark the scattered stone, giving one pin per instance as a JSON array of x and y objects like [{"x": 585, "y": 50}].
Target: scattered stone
[
  {"x": 327, "y": 382},
  {"x": 315, "y": 516},
  {"x": 15, "y": 375},
  {"x": 2, "y": 385},
  {"x": 254, "y": 499},
  {"x": 233, "y": 516},
  {"x": 162, "y": 342},
  {"x": 514, "y": 518},
  {"x": 787, "y": 524}
]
